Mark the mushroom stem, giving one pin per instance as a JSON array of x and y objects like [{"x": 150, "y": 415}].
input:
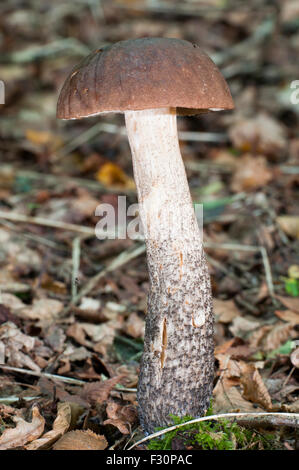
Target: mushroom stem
[{"x": 176, "y": 372}]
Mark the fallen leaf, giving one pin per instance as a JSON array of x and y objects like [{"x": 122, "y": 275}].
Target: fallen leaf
[
  {"x": 134, "y": 326},
  {"x": 288, "y": 316},
  {"x": 17, "y": 345},
  {"x": 122, "y": 417},
  {"x": 231, "y": 400},
  {"x": 241, "y": 326},
  {"x": 23, "y": 432},
  {"x": 289, "y": 224},
  {"x": 81, "y": 440},
  {"x": 225, "y": 310},
  {"x": 42, "y": 309},
  {"x": 260, "y": 134},
  {"x": 254, "y": 388},
  {"x": 38, "y": 137},
  {"x": 252, "y": 172},
  {"x": 60, "y": 426},
  {"x": 289, "y": 302},
  {"x": 99, "y": 391},
  {"x": 278, "y": 335},
  {"x": 111, "y": 174}
]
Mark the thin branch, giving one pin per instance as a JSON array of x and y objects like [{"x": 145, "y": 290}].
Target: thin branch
[
  {"x": 253, "y": 249},
  {"x": 76, "y": 254},
  {"x": 289, "y": 419},
  {"x": 117, "y": 262},
  {"x": 62, "y": 378}
]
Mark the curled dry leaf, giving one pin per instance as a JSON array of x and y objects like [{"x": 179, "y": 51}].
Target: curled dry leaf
[
  {"x": 16, "y": 346},
  {"x": 81, "y": 440},
  {"x": 23, "y": 432},
  {"x": 254, "y": 388},
  {"x": 64, "y": 418},
  {"x": 120, "y": 416}
]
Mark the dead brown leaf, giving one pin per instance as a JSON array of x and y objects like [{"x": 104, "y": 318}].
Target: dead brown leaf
[
  {"x": 291, "y": 303},
  {"x": 23, "y": 432},
  {"x": 254, "y": 388},
  {"x": 122, "y": 417},
  {"x": 288, "y": 316},
  {"x": 134, "y": 326},
  {"x": 98, "y": 392},
  {"x": 252, "y": 172},
  {"x": 225, "y": 310},
  {"x": 289, "y": 224},
  {"x": 60, "y": 426},
  {"x": 260, "y": 134},
  {"x": 17, "y": 345},
  {"x": 81, "y": 440}
]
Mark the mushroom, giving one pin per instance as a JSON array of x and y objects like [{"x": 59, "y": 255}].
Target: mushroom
[{"x": 151, "y": 80}]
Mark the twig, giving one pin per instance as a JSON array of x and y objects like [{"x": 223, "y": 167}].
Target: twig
[
  {"x": 62, "y": 378},
  {"x": 44, "y": 374},
  {"x": 45, "y": 51},
  {"x": 289, "y": 419},
  {"x": 76, "y": 253},
  {"x": 51, "y": 223},
  {"x": 119, "y": 261},
  {"x": 253, "y": 249},
  {"x": 83, "y": 182},
  {"x": 13, "y": 399},
  {"x": 110, "y": 128},
  {"x": 46, "y": 222}
]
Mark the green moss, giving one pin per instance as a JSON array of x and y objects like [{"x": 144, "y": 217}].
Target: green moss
[{"x": 214, "y": 435}]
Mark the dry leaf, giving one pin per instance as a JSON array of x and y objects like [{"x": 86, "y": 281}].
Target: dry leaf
[
  {"x": 278, "y": 335},
  {"x": 60, "y": 426},
  {"x": 225, "y": 310},
  {"x": 254, "y": 388},
  {"x": 134, "y": 326},
  {"x": 291, "y": 303},
  {"x": 230, "y": 400},
  {"x": 81, "y": 440},
  {"x": 241, "y": 326},
  {"x": 120, "y": 416},
  {"x": 99, "y": 391},
  {"x": 42, "y": 309},
  {"x": 16, "y": 347},
  {"x": 111, "y": 174},
  {"x": 37, "y": 137},
  {"x": 289, "y": 224},
  {"x": 23, "y": 432},
  {"x": 261, "y": 134},
  {"x": 252, "y": 172},
  {"x": 288, "y": 316}
]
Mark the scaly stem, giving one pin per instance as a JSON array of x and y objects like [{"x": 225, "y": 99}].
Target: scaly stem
[{"x": 177, "y": 369}]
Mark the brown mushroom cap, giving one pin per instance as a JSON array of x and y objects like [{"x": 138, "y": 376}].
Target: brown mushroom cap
[{"x": 141, "y": 74}]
